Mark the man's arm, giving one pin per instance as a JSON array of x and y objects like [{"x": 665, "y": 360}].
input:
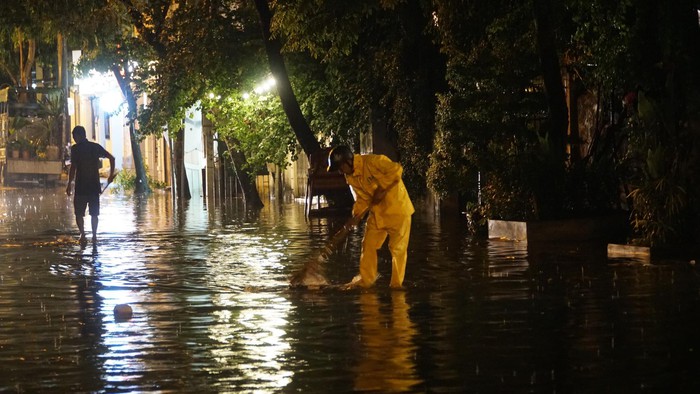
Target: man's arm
[
  {"x": 390, "y": 173},
  {"x": 71, "y": 176},
  {"x": 111, "y": 167}
]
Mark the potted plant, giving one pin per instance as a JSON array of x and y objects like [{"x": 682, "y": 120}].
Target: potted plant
[
  {"x": 40, "y": 151},
  {"x": 52, "y": 152},
  {"x": 14, "y": 147},
  {"x": 26, "y": 148}
]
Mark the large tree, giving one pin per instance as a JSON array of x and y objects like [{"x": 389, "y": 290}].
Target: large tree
[
  {"x": 20, "y": 27},
  {"x": 221, "y": 51},
  {"x": 28, "y": 31},
  {"x": 301, "y": 128},
  {"x": 503, "y": 119},
  {"x": 32, "y": 35},
  {"x": 484, "y": 119},
  {"x": 181, "y": 53},
  {"x": 379, "y": 67},
  {"x": 645, "y": 55},
  {"x": 113, "y": 48}
]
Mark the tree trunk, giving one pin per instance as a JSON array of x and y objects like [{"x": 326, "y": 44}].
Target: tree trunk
[
  {"x": 301, "y": 128},
  {"x": 551, "y": 73},
  {"x": 63, "y": 83},
  {"x": 245, "y": 180},
  {"x": 20, "y": 46},
  {"x": 26, "y": 62},
  {"x": 223, "y": 181},
  {"x": 10, "y": 75},
  {"x": 181, "y": 182},
  {"x": 141, "y": 183},
  {"x": 29, "y": 63},
  {"x": 548, "y": 193}
]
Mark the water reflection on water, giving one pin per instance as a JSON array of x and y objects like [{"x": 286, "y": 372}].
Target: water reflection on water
[{"x": 213, "y": 311}]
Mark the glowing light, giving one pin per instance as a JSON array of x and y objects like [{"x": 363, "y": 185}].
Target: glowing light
[
  {"x": 111, "y": 101},
  {"x": 265, "y": 87},
  {"x": 96, "y": 83}
]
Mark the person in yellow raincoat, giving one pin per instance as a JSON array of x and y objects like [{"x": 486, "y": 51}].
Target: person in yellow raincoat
[{"x": 377, "y": 183}]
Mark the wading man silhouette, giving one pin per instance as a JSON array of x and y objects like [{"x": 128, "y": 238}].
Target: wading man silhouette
[{"x": 85, "y": 165}]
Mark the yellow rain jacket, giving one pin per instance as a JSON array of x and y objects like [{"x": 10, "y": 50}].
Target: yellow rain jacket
[{"x": 391, "y": 216}]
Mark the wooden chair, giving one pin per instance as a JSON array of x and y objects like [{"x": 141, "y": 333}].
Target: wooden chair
[{"x": 330, "y": 185}]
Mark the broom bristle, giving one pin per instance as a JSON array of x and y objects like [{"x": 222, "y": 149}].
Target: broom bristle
[{"x": 312, "y": 271}]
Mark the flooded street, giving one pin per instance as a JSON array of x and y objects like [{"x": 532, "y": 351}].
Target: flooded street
[{"x": 213, "y": 311}]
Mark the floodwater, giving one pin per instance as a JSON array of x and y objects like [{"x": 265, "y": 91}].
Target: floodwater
[{"x": 213, "y": 312}]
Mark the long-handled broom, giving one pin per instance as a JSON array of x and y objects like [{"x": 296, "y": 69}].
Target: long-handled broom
[
  {"x": 108, "y": 182},
  {"x": 312, "y": 273}
]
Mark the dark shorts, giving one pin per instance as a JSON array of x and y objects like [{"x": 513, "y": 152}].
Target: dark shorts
[{"x": 81, "y": 202}]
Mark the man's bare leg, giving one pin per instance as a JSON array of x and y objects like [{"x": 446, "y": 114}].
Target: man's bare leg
[
  {"x": 79, "y": 220},
  {"x": 94, "y": 221}
]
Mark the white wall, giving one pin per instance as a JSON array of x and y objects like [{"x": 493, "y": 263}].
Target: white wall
[
  {"x": 195, "y": 159},
  {"x": 116, "y": 126}
]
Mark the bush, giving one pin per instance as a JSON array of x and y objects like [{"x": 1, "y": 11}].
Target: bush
[{"x": 126, "y": 181}]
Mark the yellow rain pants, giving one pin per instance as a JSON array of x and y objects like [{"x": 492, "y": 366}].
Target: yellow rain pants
[{"x": 390, "y": 216}]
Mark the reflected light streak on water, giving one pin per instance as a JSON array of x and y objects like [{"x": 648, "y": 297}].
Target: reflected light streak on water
[
  {"x": 253, "y": 340},
  {"x": 120, "y": 267}
]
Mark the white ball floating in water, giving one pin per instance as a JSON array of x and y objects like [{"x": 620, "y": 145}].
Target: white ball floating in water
[{"x": 123, "y": 312}]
